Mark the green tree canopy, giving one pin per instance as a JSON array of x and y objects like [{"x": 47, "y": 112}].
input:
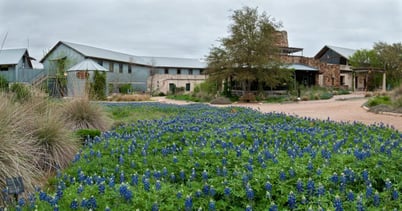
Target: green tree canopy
[
  {"x": 383, "y": 56},
  {"x": 250, "y": 53}
]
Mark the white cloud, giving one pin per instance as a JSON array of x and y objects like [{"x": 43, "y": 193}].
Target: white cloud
[{"x": 188, "y": 28}]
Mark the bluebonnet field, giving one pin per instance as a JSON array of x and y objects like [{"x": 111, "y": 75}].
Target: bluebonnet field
[{"x": 231, "y": 159}]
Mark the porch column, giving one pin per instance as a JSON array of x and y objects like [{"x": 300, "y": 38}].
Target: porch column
[{"x": 384, "y": 82}]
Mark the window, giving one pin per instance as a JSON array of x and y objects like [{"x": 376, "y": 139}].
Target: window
[
  {"x": 187, "y": 86},
  {"x": 166, "y": 71},
  {"x": 100, "y": 62},
  {"x": 201, "y": 72},
  {"x": 178, "y": 71},
  {"x": 190, "y": 71},
  {"x": 342, "y": 80},
  {"x": 111, "y": 67},
  {"x": 4, "y": 68},
  {"x": 129, "y": 69},
  {"x": 120, "y": 68}
]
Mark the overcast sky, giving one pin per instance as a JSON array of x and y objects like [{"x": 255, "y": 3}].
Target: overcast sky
[{"x": 188, "y": 28}]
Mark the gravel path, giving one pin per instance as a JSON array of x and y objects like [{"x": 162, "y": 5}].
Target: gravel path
[{"x": 345, "y": 108}]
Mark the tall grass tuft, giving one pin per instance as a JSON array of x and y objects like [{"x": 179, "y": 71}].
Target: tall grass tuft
[
  {"x": 56, "y": 143},
  {"x": 17, "y": 147},
  {"x": 82, "y": 114}
]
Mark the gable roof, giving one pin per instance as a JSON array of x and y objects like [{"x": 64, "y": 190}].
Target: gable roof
[
  {"x": 87, "y": 65},
  {"x": 344, "y": 52},
  {"x": 12, "y": 56},
  {"x": 99, "y": 53}
]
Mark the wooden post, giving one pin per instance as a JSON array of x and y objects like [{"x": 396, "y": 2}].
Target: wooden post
[{"x": 384, "y": 81}]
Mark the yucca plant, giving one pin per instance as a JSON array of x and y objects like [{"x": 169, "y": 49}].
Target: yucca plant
[
  {"x": 17, "y": 148},
  {"x": 82, "y": 114}
]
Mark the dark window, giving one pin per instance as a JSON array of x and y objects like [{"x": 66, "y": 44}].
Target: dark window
[
  {"x": 178, "y": 71},
  {"x": 342, "y": 80},
  {"x": 129, "y": 69},
  {"x": 166, "y": 71},
  {"x": 201, "y": 72},
  {"x": 190, "y": 71},
  {"x": 120, "y": 68},
  {"x": 4, "y": 68},
  {"x": 111, "y": 67},
  {"x": 100, "y": 62},
  {"x": 187, "y": 86}
]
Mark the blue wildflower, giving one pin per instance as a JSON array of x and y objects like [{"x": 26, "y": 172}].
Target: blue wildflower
[
  {"x": 395, "y": 194},
  {"x": 205, "y": 189},
  {"x": 179, "y": 195},
  {"x": 299, "y": 186},
  {"x": 376, "y": 199},
  {"x": 227, "y": 191},
  {"x": 205, "y": 175},
  {"x": 369, "y": 191},
  {"x": 273, "y": 207},
  {"x": 147, "y": 185},
  {"x": 292, "y": 200},
  {"x": 351, "y": 196},
  {"x": 74, "y": 204},
  {"x": 101, "y": 188},
  {"x": 158, "y": 185},
  {"x": 188, "y": 203},
  {"x": 155, "y": 207},
  {"x": 338, "y": 204},
  {"x": 268, "y": 186},
  {"x": 249, "y": 208},
  {"x": 211, "y": 205}
]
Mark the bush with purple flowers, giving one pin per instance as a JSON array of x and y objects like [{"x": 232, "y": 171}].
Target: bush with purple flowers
[{"x": 218, "y": 159}]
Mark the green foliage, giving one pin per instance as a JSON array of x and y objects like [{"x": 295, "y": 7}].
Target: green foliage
[
  {"x": 21, "y": 92},
  {"x": 212, "y": 149},
  {"x": 379, "y": 100},
  {"x": 390, "y": 56},
  {"x": 125, "y": 88},
  {"x": 98, "y": 86},
  {"x": 87, "y": 133},
  {"x": 365, "y": 58},
  {"x": 3, "y": 83},
  {"x": 250, "y": 53},
  {"x": 128, "y": 114}
]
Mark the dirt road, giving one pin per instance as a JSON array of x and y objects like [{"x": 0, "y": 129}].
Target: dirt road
[{"x": 346, "y": 108}]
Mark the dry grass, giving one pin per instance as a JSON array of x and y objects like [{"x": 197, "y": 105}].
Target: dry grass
[
  {"x": 17, "y": 147},
  {"x": 56, "y": 143},
  {"x": 129, "y": 97},
  {"x": 82, "y": 114}
]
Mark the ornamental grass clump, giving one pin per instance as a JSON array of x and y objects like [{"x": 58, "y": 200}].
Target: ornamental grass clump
[
  {"x": 82, "y": 114},
  {"x": 56, "y": 143},
  {"x": 17, "y": 148}
]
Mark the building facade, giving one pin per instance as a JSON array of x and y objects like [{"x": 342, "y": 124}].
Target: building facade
[
  {"x": 16, "y": 66},
  {"x": 144, "y": 74}
]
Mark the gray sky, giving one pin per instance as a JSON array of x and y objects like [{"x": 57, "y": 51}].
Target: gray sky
[{"x": 188, "y": 28}]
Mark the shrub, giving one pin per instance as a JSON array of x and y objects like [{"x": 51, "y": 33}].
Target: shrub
[
  {"x": 3, "y": 84},
  {"x": 21, "y": 92},
  {"x": 379, "y": 100},
  {"x": 83, "y": 134},
  {"x": 326, "y": 95},
  {"x": 17, "y": 148},
  {"x": 98, "y": 86},
  {"x": 82, "y": 114},
  {"x": 125, "y": 88},
  {"x": 221, "y": 101},
  {"x": 129, "y": 97},
  {"x": 57, "y": 144}
]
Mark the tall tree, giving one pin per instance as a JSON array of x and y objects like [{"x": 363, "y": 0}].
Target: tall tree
[
  {"x": 390, "y": 56},
  {"x": 250, "y": 53}
]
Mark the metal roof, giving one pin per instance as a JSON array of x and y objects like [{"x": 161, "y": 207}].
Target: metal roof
[
  {"x": 87, "y": 65},
  {"x": 99, "y": 53},
  {"x": 301, "y": 67},
  {"x": 11, "y": 56},
  {"x": 344, "y": 52}
]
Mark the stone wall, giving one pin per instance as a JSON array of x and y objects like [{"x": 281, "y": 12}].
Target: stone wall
[{"x": 329, "y": 74}]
